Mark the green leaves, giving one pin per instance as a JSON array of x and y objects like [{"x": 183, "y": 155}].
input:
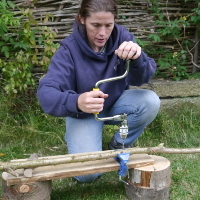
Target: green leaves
[
  {"x": 20, "y": 41},
  {"x": 5, "y": 50},
  {"x": 170, "y": 41},
  {"x": 154, "y": 37},
  {"x": 10, "y": 4}
]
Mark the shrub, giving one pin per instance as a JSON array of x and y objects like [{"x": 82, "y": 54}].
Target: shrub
[
  {"x": 172, "y": 30},
  {"x": 21, "y": 41}
]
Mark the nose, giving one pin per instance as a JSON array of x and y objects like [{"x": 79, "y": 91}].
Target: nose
[{"x": 102, "y": 31}]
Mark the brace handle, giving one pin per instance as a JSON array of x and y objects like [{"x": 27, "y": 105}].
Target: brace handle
[{"x": 96, "y": 89}]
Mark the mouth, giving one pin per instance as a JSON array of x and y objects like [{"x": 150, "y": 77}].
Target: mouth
[{"x": 100, "y": 40}]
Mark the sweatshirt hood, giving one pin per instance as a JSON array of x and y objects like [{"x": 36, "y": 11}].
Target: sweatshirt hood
[{"x": 80, "y": 36}]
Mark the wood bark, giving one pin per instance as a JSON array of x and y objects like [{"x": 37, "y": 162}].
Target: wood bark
[
  {"x": 151, "y": 182},
  {"x": 89, "y": 156}
]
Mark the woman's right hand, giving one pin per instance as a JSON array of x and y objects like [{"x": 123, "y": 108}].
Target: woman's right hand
[
  {"x": 91, "y": 102},
  {"x": 128, "y": 50}
]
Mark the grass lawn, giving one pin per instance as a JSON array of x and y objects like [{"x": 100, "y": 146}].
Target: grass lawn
[{"x": 25, "y": 129}]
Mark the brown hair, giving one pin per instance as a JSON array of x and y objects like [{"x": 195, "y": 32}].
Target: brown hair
[{"x": 88, "y": 6}]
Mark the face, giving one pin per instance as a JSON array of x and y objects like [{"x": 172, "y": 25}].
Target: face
[{"x": 99, "y": 26}]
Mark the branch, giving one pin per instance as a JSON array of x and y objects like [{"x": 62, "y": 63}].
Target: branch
[
  {"x": 90, "y": 156},
  {"x": 168, "y": 18},
  {"x": 195, "y": 45},
  {"x": 192, "y": 58}
]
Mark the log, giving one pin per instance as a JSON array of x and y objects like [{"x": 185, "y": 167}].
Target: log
[
  {"x": 28, "y": 191},
  {"x": 74, "y": 169},
  {"x": 150, "y": 182}
]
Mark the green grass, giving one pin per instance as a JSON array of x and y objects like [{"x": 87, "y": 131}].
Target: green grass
[{"x": 25, "y": 129}]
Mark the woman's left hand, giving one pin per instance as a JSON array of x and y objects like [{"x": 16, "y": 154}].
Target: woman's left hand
[{"x": 128, "y": 50}]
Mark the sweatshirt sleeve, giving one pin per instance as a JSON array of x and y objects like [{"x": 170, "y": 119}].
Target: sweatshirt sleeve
[
  {"x": 141, "y": 70},
  {"x": 56, "y": 91}
]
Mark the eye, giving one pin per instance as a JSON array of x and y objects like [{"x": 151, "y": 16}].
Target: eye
[
  {"x": 109, "y": 25},
  {"x": 96, "y": 25}
]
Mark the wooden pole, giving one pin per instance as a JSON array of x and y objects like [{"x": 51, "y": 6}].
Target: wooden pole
[
  {"x": 196, "y": 49},
  {"x": 74, "y": 169},
  {"x": 150, "y": 182},
  {"x": 89, "y": 156}
]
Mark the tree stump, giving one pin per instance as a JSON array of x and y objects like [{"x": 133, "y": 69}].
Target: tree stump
[
  {"x": 150, "y": 182},
  {"x": 30, "y": 191}
]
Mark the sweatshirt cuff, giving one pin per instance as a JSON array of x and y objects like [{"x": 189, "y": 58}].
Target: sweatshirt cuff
[
  {"x": 71, "y": 104},
  {"x": 139, "y": 61}
]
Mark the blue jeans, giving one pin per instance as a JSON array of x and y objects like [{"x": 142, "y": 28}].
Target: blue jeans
[{"x": 85, "y": 135}]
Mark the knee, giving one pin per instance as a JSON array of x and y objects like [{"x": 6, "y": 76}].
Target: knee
[
  {"x": 149, "y": 105},
  {"x": 152, "y": 106},
  {"x": 87, "y": 178},
  {"x": 152, "y": 99}
]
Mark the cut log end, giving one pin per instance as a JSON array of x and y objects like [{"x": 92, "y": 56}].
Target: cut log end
[
  {"x": 24, "y": 188},
  {"x": 30, "y": 191},
  {"x": 150, "y": 182},
  {"x": 28, "y": 173}
]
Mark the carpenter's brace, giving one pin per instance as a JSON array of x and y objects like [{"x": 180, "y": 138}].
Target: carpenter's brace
[{"x": 116, "y": 117}]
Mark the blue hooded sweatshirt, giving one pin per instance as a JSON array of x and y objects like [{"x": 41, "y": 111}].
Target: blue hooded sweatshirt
[{"x": 76, "y": 67}]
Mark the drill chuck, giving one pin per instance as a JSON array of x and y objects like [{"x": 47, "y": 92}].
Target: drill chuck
[{"x": 123, "y": 131}]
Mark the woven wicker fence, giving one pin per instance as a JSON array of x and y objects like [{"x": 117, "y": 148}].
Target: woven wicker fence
[{"x": 136, "y": 15}]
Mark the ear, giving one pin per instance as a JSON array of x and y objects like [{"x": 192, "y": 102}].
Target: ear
[{"x": 82, "y": 20}]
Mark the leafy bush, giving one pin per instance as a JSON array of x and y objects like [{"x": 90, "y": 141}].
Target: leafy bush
[
  {"x": 173, "y": 31},
  {"x": 21, "y": 41}
]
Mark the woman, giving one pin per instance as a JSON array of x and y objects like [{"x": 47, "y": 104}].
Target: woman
[{"x": 98, "y": 49}]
